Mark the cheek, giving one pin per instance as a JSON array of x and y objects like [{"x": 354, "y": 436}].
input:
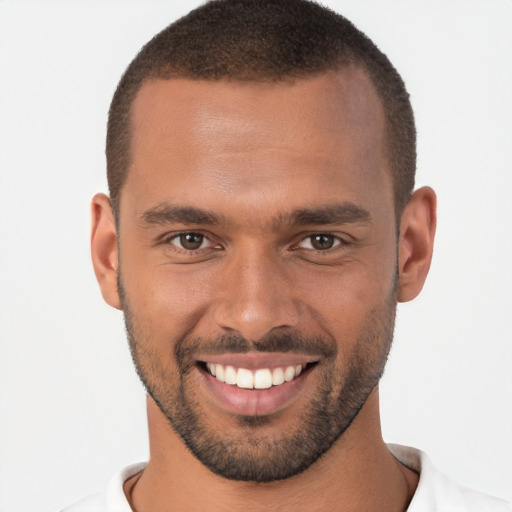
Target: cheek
[
  {"x": 167, "y": 301},
  {"x": 345, "y": 296},
  {"x": 354, "y": 306}
]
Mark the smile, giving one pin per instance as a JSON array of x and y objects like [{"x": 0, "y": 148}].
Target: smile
[
  {"x": 255, "y": 384},
  {"x": 262, "y": 378}
]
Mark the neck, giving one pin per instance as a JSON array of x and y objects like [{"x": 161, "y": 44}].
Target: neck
[{"x": 357, "y": 473}]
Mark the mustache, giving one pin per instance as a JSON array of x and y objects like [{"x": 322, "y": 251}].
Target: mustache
[{"x": 186, "y": 348}]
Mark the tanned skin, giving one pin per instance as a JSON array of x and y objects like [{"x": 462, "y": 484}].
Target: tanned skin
[{"x": 251, "y": 153}]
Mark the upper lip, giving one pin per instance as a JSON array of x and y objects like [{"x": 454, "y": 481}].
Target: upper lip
[{"x": 255, "y": 360}]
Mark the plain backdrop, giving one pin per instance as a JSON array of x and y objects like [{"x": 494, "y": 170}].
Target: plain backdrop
[{"x": 72, "y": 411}]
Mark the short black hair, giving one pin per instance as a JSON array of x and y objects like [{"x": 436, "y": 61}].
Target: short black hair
[{"x": 263, "y": 41}]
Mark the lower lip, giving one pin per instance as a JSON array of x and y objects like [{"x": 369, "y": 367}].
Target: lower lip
[{"x": 254, "y": 402}]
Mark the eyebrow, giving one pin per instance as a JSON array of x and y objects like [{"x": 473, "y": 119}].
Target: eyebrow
[
  {"x": 345, "y": 213},
  {"x": 165, "y": 213}
]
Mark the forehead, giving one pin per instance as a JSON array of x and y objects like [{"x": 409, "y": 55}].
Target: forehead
[
  {"x": 237, "y": 138},
  {"x": 333, "y": 102}
]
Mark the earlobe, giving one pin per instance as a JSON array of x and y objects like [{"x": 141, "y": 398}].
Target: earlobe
[
  {"x": 104, "y": 248},
  {"x": 416, "y": 243}
]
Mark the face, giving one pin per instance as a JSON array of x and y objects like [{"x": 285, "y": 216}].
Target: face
[{"x": 257, "y": 246}]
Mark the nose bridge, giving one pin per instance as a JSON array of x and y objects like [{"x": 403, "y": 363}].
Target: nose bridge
[{"x": 255, "y": 295}]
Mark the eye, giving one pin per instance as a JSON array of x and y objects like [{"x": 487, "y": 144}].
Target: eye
[
  {"x": 320, "y": 242},
  {"x": 190, "y": 241}
]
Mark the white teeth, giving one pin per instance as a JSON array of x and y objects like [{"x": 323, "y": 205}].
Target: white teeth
[
  {"x": 289, "y": 373},
  {"x": 211, "y": 368},
  {"x": 277, "y": 376},
  {"x": 219, "y": 372},
  {"x": 230, "y": 375},
  {"x": 262, "y": 378},
  {"x": 244, "y": 379}
]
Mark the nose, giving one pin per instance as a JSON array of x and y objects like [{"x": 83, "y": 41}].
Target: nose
[{"x": 255, "y": 295}]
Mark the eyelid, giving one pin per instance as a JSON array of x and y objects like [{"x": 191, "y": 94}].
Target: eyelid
[
  {"x": 342, "y": 240},
  {"x": 169, "y": 239}
]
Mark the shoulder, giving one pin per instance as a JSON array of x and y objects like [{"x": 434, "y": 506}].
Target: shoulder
[
  {"x": 113, "y": 498},
  {"x": 436, "y": 492}
]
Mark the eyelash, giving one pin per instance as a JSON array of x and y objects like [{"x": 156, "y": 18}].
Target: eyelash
[
  {"x": 338, "y": 242},
  {"x": 169, "y": 240}
]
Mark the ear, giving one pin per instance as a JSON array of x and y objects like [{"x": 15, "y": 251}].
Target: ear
[
  {"x": 104, "y": 249},
  {"x": 416, "y": 243}
]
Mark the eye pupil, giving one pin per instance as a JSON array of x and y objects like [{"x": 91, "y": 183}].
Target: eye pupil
[
  {"x": 322, "y": 242},
  {"x": 191, "y": 241}
]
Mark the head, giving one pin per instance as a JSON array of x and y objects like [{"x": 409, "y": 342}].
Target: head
[
  {"x": 261, "y": 41},
  {"x": 260, "y": 160}
]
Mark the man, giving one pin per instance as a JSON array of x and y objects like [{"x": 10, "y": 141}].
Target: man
[{"x": 261, "y": 227}]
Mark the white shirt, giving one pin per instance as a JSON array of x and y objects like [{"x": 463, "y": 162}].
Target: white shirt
[{"x": 435, "y": 492}]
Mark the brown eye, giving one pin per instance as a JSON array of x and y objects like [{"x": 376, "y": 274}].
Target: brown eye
[
  {"x": 191, "y": 241},
  {"x": 322, "y": 242}
]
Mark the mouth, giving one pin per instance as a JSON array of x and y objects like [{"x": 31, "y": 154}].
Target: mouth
[
  {"x": 261, "y": 378},
  {"x": 255, "y": 384}
]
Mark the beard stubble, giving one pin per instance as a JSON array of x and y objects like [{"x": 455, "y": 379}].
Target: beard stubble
[{"x": 251, "y": 450}]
